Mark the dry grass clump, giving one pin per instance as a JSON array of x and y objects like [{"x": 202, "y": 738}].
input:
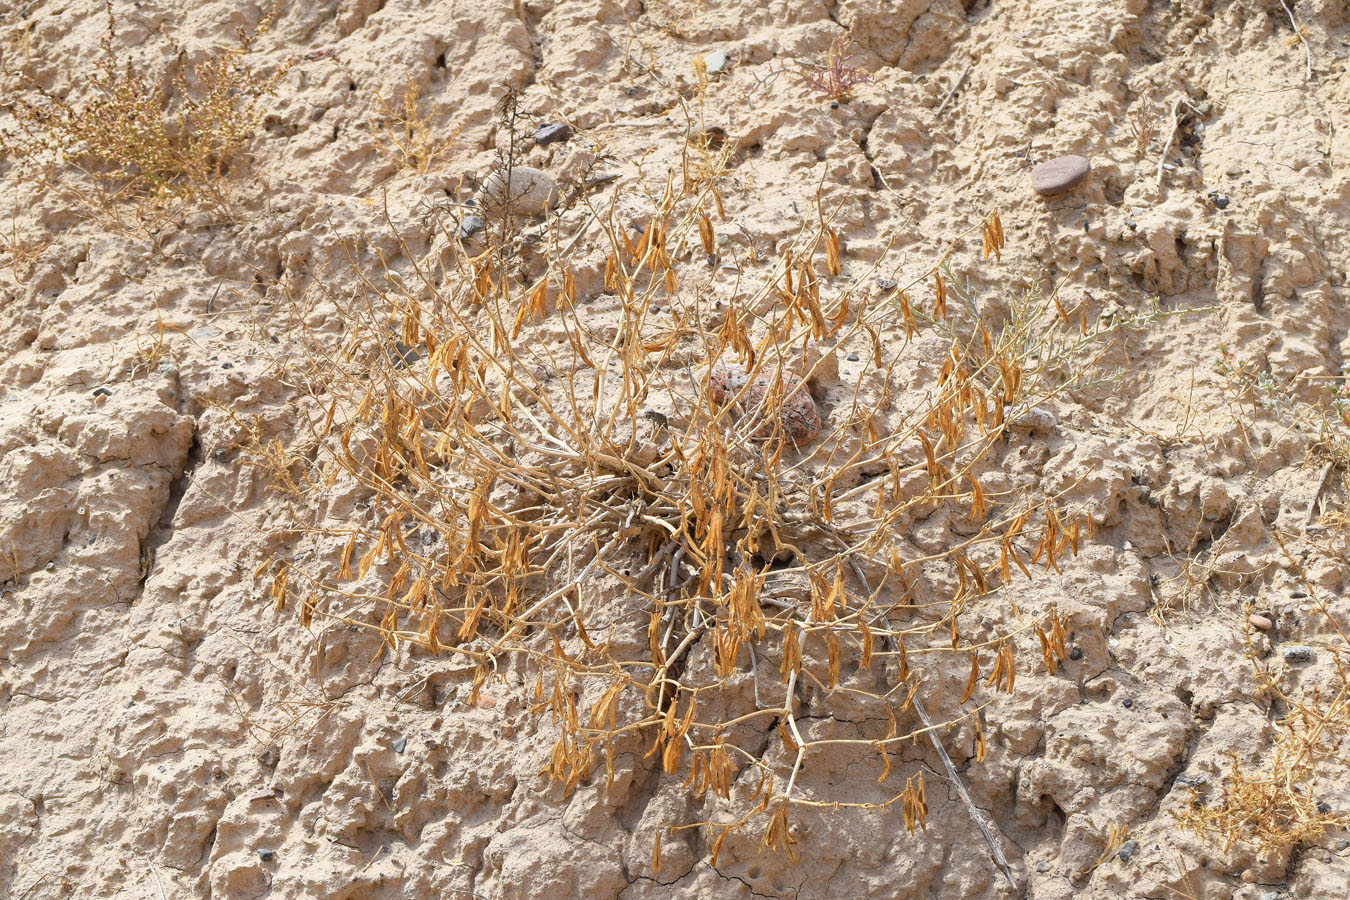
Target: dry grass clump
[
  {"x": 146, "y": 136},
  {"x": 403, "y": 132},
  {"x": 1276, "y": 804},
  {"x": 539, "y": 481}
]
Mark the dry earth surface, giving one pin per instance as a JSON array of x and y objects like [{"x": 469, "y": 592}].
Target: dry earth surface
[{"x": 161, "y": 723}]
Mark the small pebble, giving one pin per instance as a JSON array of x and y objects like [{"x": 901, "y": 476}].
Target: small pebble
[
  {"x": 887, "y": 284},
  {"x": 1042, "y": 866},
  {"x": 102, "y": 392},
  {"x": 716, "y": 61},
  {"x": 1189, "y": 781},
  {"x": 400, "y": 745},
  {"x": 265, "y": 855},
  {"x": 552, "y": 133},
  {"x": 50, "y": 567},
  {"x": 1127, "y": 703},
  {"x": 470, "y": 226},
  {"x": 1298, "y": 654},
  {"x": 852, "y": 357},
  {"x": 1076, "y": 653},
  {"x": 1260, "y": 622},
  {"x": 1128, "y": 849},
  {"x": 1056, "y": 176},
  {"x": 1342, "y": 844},
  {"x": 1221, "y": 202},
  {"x": 1297, "y": 595},
  {"x": 228, "y": 365}
]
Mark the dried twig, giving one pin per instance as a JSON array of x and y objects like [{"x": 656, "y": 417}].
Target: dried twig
[
  {"x": 1298, "y": 33},
  {"x": 158, "y": 884},
  {"x": 1171, "y": 135},
  {"x": 1317, "y": 492},
  {"x": 1167, "y": 144},
  {"x": 952, "y": 92},
  {"x": 975, "y": 815}
]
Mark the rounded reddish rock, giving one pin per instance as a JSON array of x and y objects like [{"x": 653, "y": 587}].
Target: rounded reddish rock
[
  {"x": 1055, "y": 176},
  {"x": 798, "y": 414}
]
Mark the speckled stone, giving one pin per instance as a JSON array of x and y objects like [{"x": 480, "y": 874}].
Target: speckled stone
[
  {"x": 1058, "y": 175},
  {"x": 1298, "y": 654},
  {"x": 798, "y": 414},
  {"x": 531, "y": 192}
]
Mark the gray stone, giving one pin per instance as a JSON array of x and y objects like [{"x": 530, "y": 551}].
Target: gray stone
[
  {"x": 1058, "y": 175},
  {"x": 716, "y": 61},
  {"x": 400, "y": 745},
  {"x": 1128, "y": 849},
  {"x": 470, "y": 226},
  {"x": 1042, "y": 867},
  {"x": 403, "y": 355},
  {"x": 529, "y": 192},
  {"x": 1298, "y": 654},
  {"x": 552, "y": 133}
]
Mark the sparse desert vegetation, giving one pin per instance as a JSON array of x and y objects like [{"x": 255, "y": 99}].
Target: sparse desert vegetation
[{"x": 626, "y": 450}]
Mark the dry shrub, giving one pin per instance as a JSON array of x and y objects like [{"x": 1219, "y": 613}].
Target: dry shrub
[
  {"x": 149, "y": 136},
  {"x": 835, "y": 78},
  {"x": 1274, "y": 804},
  {"x": 537, "y": 483},
  {"x": 403, "y": 132}
]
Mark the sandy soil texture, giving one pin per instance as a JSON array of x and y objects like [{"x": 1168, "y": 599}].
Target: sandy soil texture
[{"x": 166, "y": 731}]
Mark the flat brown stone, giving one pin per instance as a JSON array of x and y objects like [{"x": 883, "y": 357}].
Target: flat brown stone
[{"x": 1058, "y": 175}]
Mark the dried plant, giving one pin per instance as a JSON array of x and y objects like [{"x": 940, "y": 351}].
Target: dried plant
[
  {"x": 678, "y": 574},
  {"x": 835, "y": 78},
  {"x": 150, "y": 136},
  {"x": 402, "y": 131},
  {"x": 1274, "y": 804}
]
